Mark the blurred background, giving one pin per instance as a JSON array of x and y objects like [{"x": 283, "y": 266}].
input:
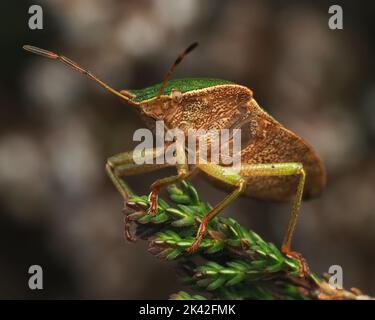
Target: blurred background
[{"x": 59, "y": 210}]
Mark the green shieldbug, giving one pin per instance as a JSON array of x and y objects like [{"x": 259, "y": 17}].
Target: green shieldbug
[{"x": 276, "y": 164}]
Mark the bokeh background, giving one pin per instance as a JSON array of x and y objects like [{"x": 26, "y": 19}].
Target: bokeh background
[{"x": 58, "y": 209}]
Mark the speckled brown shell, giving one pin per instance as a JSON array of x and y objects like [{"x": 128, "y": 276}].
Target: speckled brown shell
[{"x": 265, "y": 140}]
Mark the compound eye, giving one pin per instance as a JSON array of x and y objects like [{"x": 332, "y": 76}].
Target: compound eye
[{"x": 176, "y": 95}]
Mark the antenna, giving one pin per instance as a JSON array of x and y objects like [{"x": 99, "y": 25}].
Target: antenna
[
  {"x": 54, "y": 56},
  {"x": 174, "y": 65}
]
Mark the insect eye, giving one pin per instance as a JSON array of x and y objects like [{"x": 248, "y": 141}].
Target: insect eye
[{"x": 176, "y": 95}]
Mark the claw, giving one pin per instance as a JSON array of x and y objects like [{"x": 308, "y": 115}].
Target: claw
[
  {"x": 127, "y": 223},
  {"x": 153, "y": 202},
  {"x": 305, "y": 270},
  {"x": 195, "y": 245},
  {"x": 127, "y": 232},
  {"x": 201, "y": 232}
]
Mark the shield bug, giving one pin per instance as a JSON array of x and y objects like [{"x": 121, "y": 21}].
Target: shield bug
[{"x": 276, "y": 164}]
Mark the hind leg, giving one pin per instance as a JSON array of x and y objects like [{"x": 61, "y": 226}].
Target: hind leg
[{"x": 238, "y": 180}]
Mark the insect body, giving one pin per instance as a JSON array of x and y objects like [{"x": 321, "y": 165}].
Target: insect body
[{"x": 276, "y": 164}]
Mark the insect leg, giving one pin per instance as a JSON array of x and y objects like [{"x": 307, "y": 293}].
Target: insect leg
[
  {"x": 284, "y": 169},
  {"x": 124, "y": 164},
  {"x": 182, "y": 173},
  {"x": 223, "y": 174},
  {"x": 239, "y": 181}
]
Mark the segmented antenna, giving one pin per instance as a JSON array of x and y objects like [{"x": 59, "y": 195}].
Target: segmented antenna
[
  {"x": 54, "y": 56},
  {"x": 174, "y": 65}
]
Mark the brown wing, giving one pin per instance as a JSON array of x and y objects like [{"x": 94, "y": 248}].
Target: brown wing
[
  {"x": 272, "y": 143},
  {"x": 264, "y": 140}
]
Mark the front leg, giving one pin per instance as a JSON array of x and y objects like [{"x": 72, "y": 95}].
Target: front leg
[
  {"x": 182, "y": 173},
  {"x": 125, "y": 164}
]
